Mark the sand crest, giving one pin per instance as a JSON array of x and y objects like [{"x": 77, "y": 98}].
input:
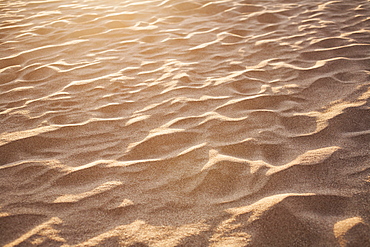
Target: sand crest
[{"x": 184, "y": 123}]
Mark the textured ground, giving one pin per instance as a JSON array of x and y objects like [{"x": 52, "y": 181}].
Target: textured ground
[{"x": 184, "y": 123}]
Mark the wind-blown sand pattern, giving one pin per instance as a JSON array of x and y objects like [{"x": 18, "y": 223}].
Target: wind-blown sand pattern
[{"x": 184, "y": 123}]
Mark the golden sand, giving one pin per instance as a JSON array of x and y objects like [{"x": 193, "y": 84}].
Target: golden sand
[{"x": 184, "y": 123}]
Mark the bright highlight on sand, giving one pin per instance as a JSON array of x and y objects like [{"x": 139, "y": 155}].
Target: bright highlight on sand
[{"x": 184, "y": 123}]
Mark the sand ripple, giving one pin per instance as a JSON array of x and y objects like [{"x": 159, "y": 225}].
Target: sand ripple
[{"x": 184, "y": 123}]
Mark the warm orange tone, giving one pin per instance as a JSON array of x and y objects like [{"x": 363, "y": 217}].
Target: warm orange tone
[{"x": 184, "y": 123}]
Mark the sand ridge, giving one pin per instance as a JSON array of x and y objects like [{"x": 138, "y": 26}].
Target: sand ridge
[{"x": 184, "y": 123}]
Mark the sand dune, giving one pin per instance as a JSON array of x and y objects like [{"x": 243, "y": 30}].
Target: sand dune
[{"x": 184, "y": 123}]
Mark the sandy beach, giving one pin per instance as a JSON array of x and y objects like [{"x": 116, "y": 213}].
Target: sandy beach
[{"x": 181, "y": 123}]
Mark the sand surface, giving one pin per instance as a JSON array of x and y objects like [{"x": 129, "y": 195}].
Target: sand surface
[{"x": 185, "y": 123}]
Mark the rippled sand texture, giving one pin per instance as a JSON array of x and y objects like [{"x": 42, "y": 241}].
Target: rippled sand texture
[{"x": 184, "y": 123}]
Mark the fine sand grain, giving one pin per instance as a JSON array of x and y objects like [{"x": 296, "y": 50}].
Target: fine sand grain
[{"x": 185, "y": 123}]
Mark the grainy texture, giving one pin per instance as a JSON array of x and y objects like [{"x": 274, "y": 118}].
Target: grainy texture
[{"x": 184, "y": 123}]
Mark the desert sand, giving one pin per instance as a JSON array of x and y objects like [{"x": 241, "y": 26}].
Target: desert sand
[{"x": 185, "y": 123}]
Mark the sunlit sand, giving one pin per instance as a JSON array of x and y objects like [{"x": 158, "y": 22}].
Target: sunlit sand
[{"x": 184, "y": 123}]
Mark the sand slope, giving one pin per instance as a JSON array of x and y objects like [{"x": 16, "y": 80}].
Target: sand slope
[{"x": 184, "y": 123}]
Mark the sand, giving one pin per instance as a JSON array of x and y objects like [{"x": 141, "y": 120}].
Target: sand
[{"x": 185, "y": 123}]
